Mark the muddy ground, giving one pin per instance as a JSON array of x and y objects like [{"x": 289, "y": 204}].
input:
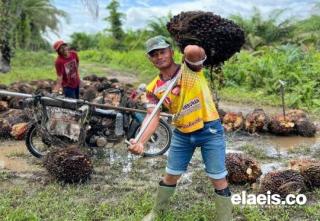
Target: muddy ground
[{"x": 272, "y": 151}]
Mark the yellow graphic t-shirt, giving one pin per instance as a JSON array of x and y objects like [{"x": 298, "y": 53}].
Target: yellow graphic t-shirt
[{"x": 190, "y": 99}]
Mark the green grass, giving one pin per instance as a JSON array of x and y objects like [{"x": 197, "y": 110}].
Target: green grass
[
  {"x": 316, "y": 154},
  {"x": 260, "y": 71},
  {"x": 242, "y": 95},
  {"x": 257, "y": 152},
  {"x": 28, "y": 66},
  {"x": 4, "y": 175},
  {"x": 35, "y": 201},
  {"x": 54, "y": 202},
  {"x": 301, "y": 150}
]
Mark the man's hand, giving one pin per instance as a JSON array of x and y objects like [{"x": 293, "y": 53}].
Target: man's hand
[
  {"x": 136, "y": 147},
  {"x": 194, "y": 53},
  {"x": 194, "y": 56},
  {"x": 58, "y": 86},
  {"x": 57, "y": 90}
]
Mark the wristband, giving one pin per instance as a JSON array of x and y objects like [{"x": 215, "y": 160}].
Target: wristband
[{"x": 196, "y": 63}]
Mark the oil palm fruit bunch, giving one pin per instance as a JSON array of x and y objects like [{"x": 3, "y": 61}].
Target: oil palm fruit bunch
[
  {"x": 19, "y": 131},
  {"x": 21, "y": 87},
  {"x": 256, "y": 121},
  {"x": 281, "y": 125},
  {"x": 309, "y": 169},
  {"x": 69, "y": 165},
  {"x": 3, "y": 106},
  {"x": 219, "y": 37},
  {"x": 233, "y": 121},
  {"x": 283, "y": 182},
  {"x": 43, "y": 86},
  {"x": 242, "y": 168},
  {"x": 305, "y": 128},
  {"x": 303, "y": 125},
  {"x": 14, "y": 116}
]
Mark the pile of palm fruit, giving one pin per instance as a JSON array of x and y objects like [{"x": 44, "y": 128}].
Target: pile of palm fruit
[
  {"x": 13, "y": 123},
  {"x": 301, "y": 176},
  {"x": 14, "y": 120},
  {"x": 221, "y": 38},
  {"x": 295, "y": 122},
  {"x": 69, "y": 165}
]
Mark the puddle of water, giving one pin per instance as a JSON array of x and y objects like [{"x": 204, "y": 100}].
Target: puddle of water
[
  {"x": 17, "y": 164},
  {"x": 233, "y": 151},
  {"x": 268, "y": 167},
  {"x": 280, "y": 143},
  {"x": 287, "y": 143}
]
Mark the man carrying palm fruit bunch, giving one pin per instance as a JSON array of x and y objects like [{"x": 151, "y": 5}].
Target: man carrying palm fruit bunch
[{"x": 196, "y": 118}]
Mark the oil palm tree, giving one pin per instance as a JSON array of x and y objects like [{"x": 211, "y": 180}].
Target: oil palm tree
[
  {"x": 307, "y": 31},
  {"x": 23, "y": 24},
  {"x": 33, "y": 18},
  {"x": 260, "y": 31},
  {"x": 5, "y": 50},
  {"x": 158, "y": 25}
]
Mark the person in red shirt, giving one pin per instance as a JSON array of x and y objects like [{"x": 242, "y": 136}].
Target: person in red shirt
[{"x": 67, "y": 67}]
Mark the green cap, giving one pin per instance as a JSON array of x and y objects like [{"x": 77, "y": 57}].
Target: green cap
[{"x": 157, "y": 42}]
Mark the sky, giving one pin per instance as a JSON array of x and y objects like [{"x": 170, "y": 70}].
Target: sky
[{"x": 139, "y": 12}]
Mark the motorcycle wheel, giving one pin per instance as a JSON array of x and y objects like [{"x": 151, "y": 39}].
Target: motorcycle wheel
[
  {"x": 36, "y": 143},
  {"x": 39, "y": 144},
  {"x": 159, "y": 142}
]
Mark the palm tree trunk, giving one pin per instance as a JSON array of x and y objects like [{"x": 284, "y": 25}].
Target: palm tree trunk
[
  {"x": 5, "y": 52},
  {"x": 4, "y": 57}
]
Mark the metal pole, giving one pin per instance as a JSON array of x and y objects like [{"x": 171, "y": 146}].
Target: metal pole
[
  {"x": 70, "y": 100},
  {"x": 155, "y": 110},
  {"x": 125, "y": 109},
  {"x": 14, "y": 94},
  {"x": 282, "y": 83}
]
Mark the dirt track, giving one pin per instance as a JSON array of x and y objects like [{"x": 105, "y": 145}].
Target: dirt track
[{"x": 15, "y": 157}]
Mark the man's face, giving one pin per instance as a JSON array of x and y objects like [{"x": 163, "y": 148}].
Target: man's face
[
  {"x": 63, "y": 50},
  {"x": 161, "y": 58}
]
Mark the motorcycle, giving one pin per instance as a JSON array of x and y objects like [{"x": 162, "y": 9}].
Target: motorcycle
[{"x": 60, "y": 122}]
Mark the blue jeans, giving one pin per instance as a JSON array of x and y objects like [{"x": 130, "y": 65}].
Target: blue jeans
[
  {"x": 211, "y": 140},
  {"x": 71, "y": 92}
]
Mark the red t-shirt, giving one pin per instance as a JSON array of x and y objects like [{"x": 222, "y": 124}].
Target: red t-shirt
[{"x": 68, "y": 69}]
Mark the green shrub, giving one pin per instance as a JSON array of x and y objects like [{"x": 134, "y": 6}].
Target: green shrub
[{"x": 263, "y": 69}]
